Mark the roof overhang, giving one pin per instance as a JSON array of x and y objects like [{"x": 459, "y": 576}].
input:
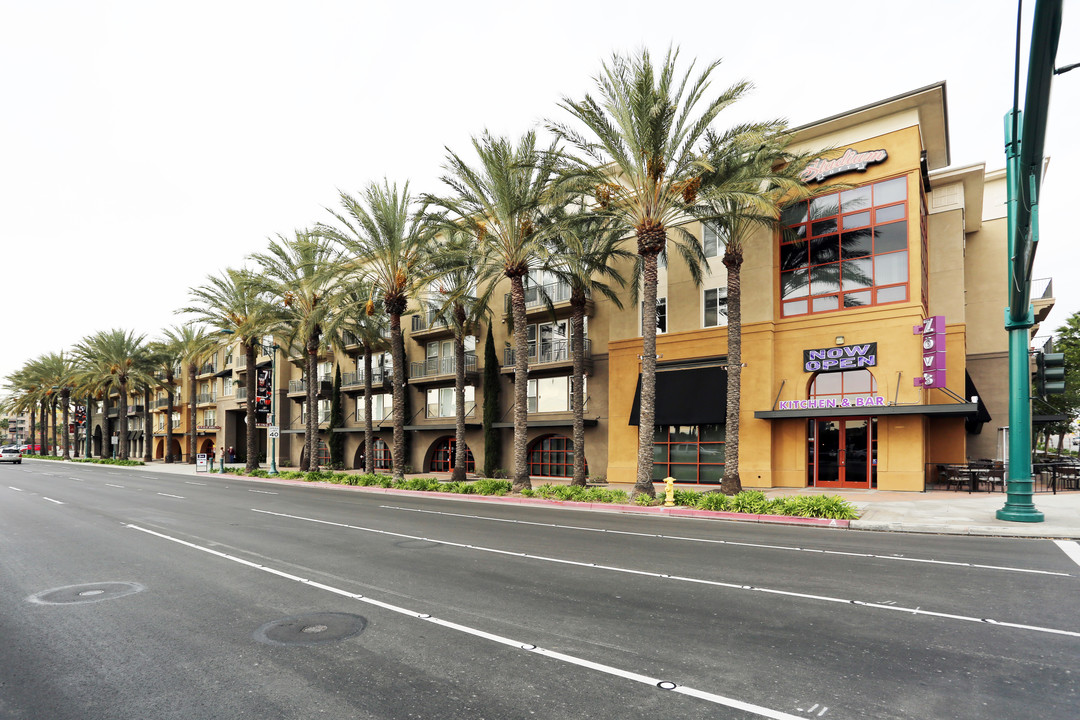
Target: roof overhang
[{"x": 944, "y": 410}]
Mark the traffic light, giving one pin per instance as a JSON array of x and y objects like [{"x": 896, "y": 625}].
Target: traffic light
[
  {"x": 1053, "y": 373},
  {"x": 1049, "y": 373}
]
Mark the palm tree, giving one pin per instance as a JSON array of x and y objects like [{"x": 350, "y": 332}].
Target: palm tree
[
  {"x": 118, "y": 352},
  {"x": 387, "y": 240},
  {"x": 588, "y": 253},
  {"x": 189, "y": 345},
  {"x": 231, "y": 303},
  {"x": 365, "y": 320},
  {"x": 302, "y": 274},
  {"x": 752, "y": 175},
  {"x": 642, "y": 159},
  {"x": 454, "y": 303},
  {"x": 504, "y": 203}
]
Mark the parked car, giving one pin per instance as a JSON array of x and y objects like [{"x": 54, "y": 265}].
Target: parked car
[{"x": 11, "y": 454}]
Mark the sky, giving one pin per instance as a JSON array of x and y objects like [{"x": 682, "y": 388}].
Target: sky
[{"x": 146, "y": 145}]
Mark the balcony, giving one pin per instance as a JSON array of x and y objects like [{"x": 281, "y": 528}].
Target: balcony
[
  {"x": 205, "y": 398},
  {"x": 324, "y": 388},
  {"x": 440, "y": 370},
  {"x": 550, "y": 358},
  {"x": 162, "y": 402},
  {"x": 207, "y": 369},
  {"x": 425, "y": 326},
  {"x": 537, "y": 297},
  {"x": 241, "y": 394},
  {"x": 135, "y": 409},
  {"x": 1042, "y": 298},
  {"x": 354, "y": 381}
]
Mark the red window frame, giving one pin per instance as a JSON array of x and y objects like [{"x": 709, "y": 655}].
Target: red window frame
[
  {"x": 552, "y": 456},
  {"x": 443, "y": 454},
  {"x": 384, "y": 459},
  {"x": 811, "y": 229},
  {"x": 670, "y": 446}
]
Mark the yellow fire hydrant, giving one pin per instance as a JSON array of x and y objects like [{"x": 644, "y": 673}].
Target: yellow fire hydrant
[{"x": 669, "y": 501}]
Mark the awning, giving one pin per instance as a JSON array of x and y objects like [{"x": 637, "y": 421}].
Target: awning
[
  {"x": 975, "y": 422},
  {"x": 224, "y": 373},
  {"x": 687, "y": 396},
  {"x": 944, "y": 410}
]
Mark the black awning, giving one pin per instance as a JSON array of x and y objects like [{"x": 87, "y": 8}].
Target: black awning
[
  {"x": 687, "y": 396},
  {"x": 975, "y": 422},
  {"x": 224, "y": 373}
]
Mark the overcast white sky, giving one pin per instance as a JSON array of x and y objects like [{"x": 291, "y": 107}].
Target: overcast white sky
[{"x": 145, "y": 145}]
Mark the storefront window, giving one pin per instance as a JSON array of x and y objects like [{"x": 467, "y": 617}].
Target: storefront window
[
  {"x": 689, "y": 453},
  {"x": 845, "y": 250},
  {"x": 553, "y": 456},
  {"x": 849, "y": 385},
  {"x": 443, "y": 454}
]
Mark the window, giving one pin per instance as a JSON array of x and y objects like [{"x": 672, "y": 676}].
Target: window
[
  {"x": 383, "y": 458},
  {"x": 382, "y": 405},
  {"x": 227, "y": 386},
  {"x": 845, "y": 250},
  {"x": 661, "y": 316},
  {"x": 848, "y": 384},
  {"x": 444, "y": 453},
  {"x": 689, "y": 453},
  {"x": 323, "y": 411},
  {"x": 553, "y": 456},
  {"x": 210, "y": 417},
  {"x": 440, "y": 402},
  {"x": 710, "y": 240},
  {"x": 326, "y": 372},
  {"x": 715, "y": 307},
  {"x": 550, "y": 394}
]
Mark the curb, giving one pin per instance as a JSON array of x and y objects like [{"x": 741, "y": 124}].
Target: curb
[{"x": 570, "y": 505}]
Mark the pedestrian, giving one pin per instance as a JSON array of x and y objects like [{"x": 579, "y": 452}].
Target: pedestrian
[
  {"x": 232, "y": 454},
  {"x": 212, "y": 456}
]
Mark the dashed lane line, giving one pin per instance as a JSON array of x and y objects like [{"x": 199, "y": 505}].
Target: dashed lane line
[
  {"x": 764, "y": 546},
  {"x": 500, "y": 639},
  {"x": 680, "y": 578}
]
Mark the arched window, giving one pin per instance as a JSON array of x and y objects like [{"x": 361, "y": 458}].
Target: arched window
[
  {"x": 553, "y": 456},
  {"x": 383, "y": 459},
  {"x": 443, "y": 453},
  {"x": 845, "y": 385}
]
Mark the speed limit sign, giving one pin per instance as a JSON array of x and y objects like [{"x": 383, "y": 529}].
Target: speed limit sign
[{"x": 273, "y": 431}]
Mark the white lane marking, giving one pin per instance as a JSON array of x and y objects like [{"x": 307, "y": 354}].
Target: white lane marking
[
  {"x": 1070, "y": 548},
  {"x": 502, "y": 640},
  {"x": 12, "y": 487},
  {"x": 178, "y": 497},
  {"x": 52, "y": 501},
  {"x": 680, "y": 578},
  {"x": 264, "y": 492},
  {"x": 764, "y": 546},
  {"x": 192, "y": 482},
  {"x": 111, "y": 485},
  {"x": 75, "y": 478},
  {"x": 49, "y": 474}
]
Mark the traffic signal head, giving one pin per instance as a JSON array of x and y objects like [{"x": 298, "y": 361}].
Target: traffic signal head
[{"x": 1053, "y": 373}]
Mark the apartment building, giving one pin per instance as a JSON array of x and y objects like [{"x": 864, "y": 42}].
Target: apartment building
[{"x": 873, "y": 341}]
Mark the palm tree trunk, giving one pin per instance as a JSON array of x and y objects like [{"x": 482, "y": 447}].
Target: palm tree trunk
[
  {"x": 647, "y": 426},
  {"x": 398, "y": 349},
  {"x": 148, "y": 427},
  {"x": 369, "y": 431},
  {"x": 577, "y": 394},
  {"x": 192, "y": 372},
  {"x": 521, "y": 380},
  {"x": 55, "y": 444},
  {"x": 44, "y": 426},
  {"x": 168, "y": 422},
  {"x": 732, "y": 483},
  {"x": 459, "y": 406},
  {"x": 122, "y": 414},
  {"x": 311, "y": 427},
  {"x": 33, "y": 430},
  {"x": 251, "y": 438},
  {"x": 65, "y": 396}
]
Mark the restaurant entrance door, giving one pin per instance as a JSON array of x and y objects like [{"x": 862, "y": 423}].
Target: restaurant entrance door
[{"x": 843, "y": 452}]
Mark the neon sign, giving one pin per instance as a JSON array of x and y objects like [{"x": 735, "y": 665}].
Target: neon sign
[
  {"x": 850, "y": 161},
  {"x": 933, "y": 358}
]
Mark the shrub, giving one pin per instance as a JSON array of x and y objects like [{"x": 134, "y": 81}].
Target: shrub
[
  {"x": 716, "y": 501},
  {"x": 753, "y": 502},
  {"x": 491, "y": 486},
  {"x": 689, "y": 498},
  {"x": 644, "y": 500}
]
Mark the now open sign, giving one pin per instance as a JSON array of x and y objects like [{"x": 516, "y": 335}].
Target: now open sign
[{"x": 844, "y": 357}]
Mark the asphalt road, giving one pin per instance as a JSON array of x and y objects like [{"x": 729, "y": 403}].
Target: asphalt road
[{"x": 134, "y": 594}]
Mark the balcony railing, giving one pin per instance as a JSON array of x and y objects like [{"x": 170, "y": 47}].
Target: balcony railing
[
  {"x": 427, "y": 321},
  {"x": 206, "y": 368},
  {"x": 205, "y": 398},
  {"x": 241, "y": 393},
  {"x": 1042, "y": 288},
  {"x": 162, "y": 402},
  {"x": 357, "y": 378},
  {"x": 550, "y": 351},
  {"x": 538, "y": 295},
  {"x": 441, "y": 366},
  {"x": 134, "y": 409}
]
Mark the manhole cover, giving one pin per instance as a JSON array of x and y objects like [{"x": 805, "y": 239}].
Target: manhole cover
[
  {"x": 311, "y": 629},
  {"x": 90, "y": 592}
]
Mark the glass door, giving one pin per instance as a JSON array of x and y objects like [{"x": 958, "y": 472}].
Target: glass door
[{"x": 844, "y": 452}]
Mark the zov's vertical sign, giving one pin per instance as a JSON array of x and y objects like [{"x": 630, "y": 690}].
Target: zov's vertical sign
[{"x": 933, "y": 357}]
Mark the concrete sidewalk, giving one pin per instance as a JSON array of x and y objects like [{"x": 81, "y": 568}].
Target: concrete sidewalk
[{"x": 956, "y": 513}]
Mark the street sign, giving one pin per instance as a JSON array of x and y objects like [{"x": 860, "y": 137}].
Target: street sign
[
  {"x": 200, "y": 463},
  {"x": 273, "y": 431},
  {"x": 115, "y": 440}
]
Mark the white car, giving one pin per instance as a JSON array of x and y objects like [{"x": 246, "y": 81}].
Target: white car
[{"x": 11, "y": 454}]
